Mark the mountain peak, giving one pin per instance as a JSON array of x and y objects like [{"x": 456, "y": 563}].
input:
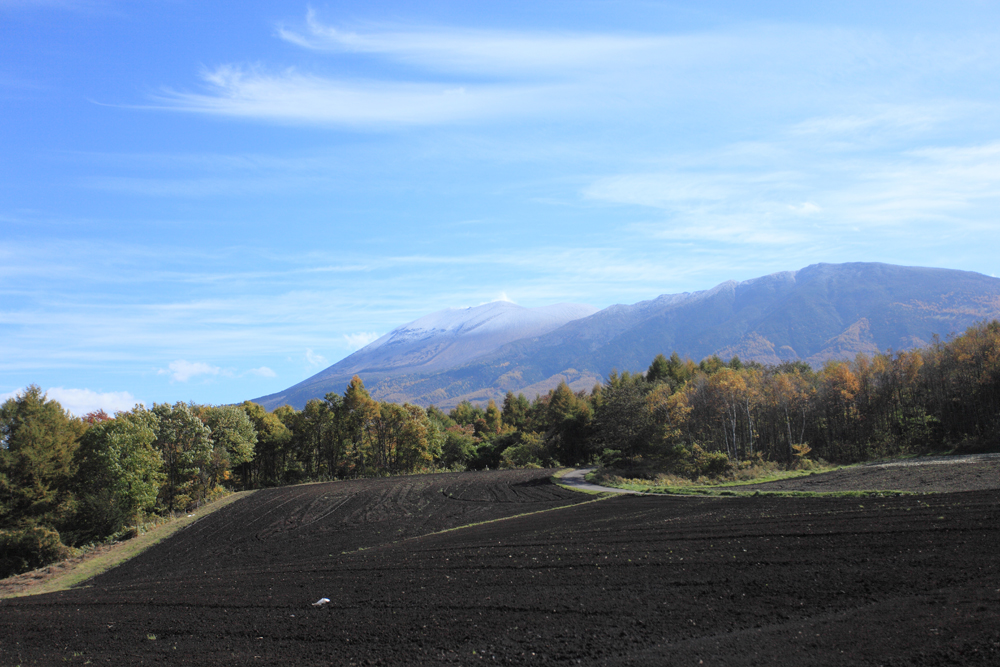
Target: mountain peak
[
  {"x": 502, "y": 319},
  {"x": 820, "y": 312}
]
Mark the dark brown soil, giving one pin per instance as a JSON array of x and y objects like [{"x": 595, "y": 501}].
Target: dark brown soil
[
  {"x": 975, "y": 472},
  {"x": 909, "y": 580},
  {"x": 22, "y": 584}
]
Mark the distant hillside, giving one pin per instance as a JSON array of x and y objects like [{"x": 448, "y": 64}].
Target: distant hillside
[
  {"x": 433, "y": 343},
  {"x": 822, "y": 312}
]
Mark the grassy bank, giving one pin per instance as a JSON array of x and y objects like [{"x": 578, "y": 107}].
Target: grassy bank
[
  {"x": 741, "y": 485},
  {"x": 79, "y": 569}
]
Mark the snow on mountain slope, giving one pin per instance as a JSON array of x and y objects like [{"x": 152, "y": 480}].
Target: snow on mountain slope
[
  {"x": 454, "y": 336},
  {"x": 499, "y": 320},
  {"x": 821, "y": 312}
]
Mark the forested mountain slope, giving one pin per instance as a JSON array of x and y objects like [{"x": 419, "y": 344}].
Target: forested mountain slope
[{"x": 821, "y": 312}]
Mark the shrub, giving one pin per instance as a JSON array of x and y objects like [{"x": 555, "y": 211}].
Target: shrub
[
  {"x": 694, "y": 462},
  {"x": 29, "y": 548},
  {"x": 529, "y": 452},
  {"x": 459, "y": 448}
]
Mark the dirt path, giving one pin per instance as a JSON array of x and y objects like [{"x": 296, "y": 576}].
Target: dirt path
[
  {"x": 577, "y": 479},
  {"x": 932, "y": 474}
]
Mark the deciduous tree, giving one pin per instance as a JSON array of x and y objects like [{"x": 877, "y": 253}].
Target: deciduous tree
[{"x": 119, "y": 472}]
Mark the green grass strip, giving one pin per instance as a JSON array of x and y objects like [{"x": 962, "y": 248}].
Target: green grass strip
[
  {"x": 123, "y": 551},
  {"x": 560, "y": 473},
  {"x": 480, "y": 523},
  {"x": 732, "y": 488},
  {"x": 728, "y": 492}
]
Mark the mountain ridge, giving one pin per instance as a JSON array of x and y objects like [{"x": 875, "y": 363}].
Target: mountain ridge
[{"x": 818, "y": 313}]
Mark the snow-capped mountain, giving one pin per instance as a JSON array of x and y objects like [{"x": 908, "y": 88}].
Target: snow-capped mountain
[
  {"x": 442, "y": 340},
  {"x": 456, "y": 335},
  {"x": 821, "y": 312}
]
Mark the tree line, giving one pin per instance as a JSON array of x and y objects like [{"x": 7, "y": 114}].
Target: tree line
[{"x": 67, "y": 481}]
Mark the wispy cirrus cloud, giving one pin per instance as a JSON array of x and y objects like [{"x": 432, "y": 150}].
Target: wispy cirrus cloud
[
  {"x": 453, "y": 74},
  {"x": 858, "y": 171},
  {"x": 294, "y": 97},
  {"x": 418, "y": 75},
  {"x": 482, "y": 52}
]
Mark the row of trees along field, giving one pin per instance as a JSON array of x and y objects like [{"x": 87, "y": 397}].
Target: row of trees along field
[{"x": 65, "y": 482}]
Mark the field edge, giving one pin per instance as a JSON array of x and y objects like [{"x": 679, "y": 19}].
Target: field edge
[{"x": 88, "y": 567}]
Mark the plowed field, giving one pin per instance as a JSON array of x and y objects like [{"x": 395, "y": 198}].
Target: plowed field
[{"x": 910, "y": 580}]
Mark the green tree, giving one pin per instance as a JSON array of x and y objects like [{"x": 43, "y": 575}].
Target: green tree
[
  {"x": 515, "y": 411},
  {"x": 465, "y": 413},
  {"x": 527, "y": 452},
  {"x": 568, "y": 426},
  {"x": 439, "y": 418},
  {"x": 37, "y": 441},
  {"x": 185, "y": 444},
  {"x": 360, "y": 415},
  {"x": 233, "y": 439},
  {"x": 418, "y": 444},
  {"x": 272, "y": 441},
  {"x": 29, "y": 548},
  {"x": 307, "y": 428},
  {"x": 459, "y": 448},
  {"x": 710, "y": 365},
  {"x": 119, "y": 472},
  {"x": 493, "y": 418},
  {"x": 659, "y": 370},
  {"x": 624, "y": 423}
]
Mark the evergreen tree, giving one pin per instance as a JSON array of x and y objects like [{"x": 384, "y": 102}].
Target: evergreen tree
[
  {"x": 659, "y": 370},
  {"x": 515, "y": 411},
  {"x": 624, "y": 422},
  {"x": 37, "y": 441}
]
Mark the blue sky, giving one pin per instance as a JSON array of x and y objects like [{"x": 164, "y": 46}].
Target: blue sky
[{"x": 213, "y": 201}]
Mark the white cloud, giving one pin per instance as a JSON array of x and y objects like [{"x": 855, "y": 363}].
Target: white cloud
[
  {"x": 502, "y": 298},
  {"x": 292, "y": 97},
  {"x": 315, "y": 359},
  {"x": 263, "y": 372},
  {"x": 483, "y": 51},
  {"x": 957, "y": 186},
  {"x": 665, "y": 190},
  {"x": 891, "y": 120},
  {"x": 358, "y": 340},
  {"x": 83, "y": 401},
  {"x": 458, "y": 74},
  {"x": 805, "y": 208},
  {"x": 451, "y": 74},
  {"x": 182, "y": 371}
]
